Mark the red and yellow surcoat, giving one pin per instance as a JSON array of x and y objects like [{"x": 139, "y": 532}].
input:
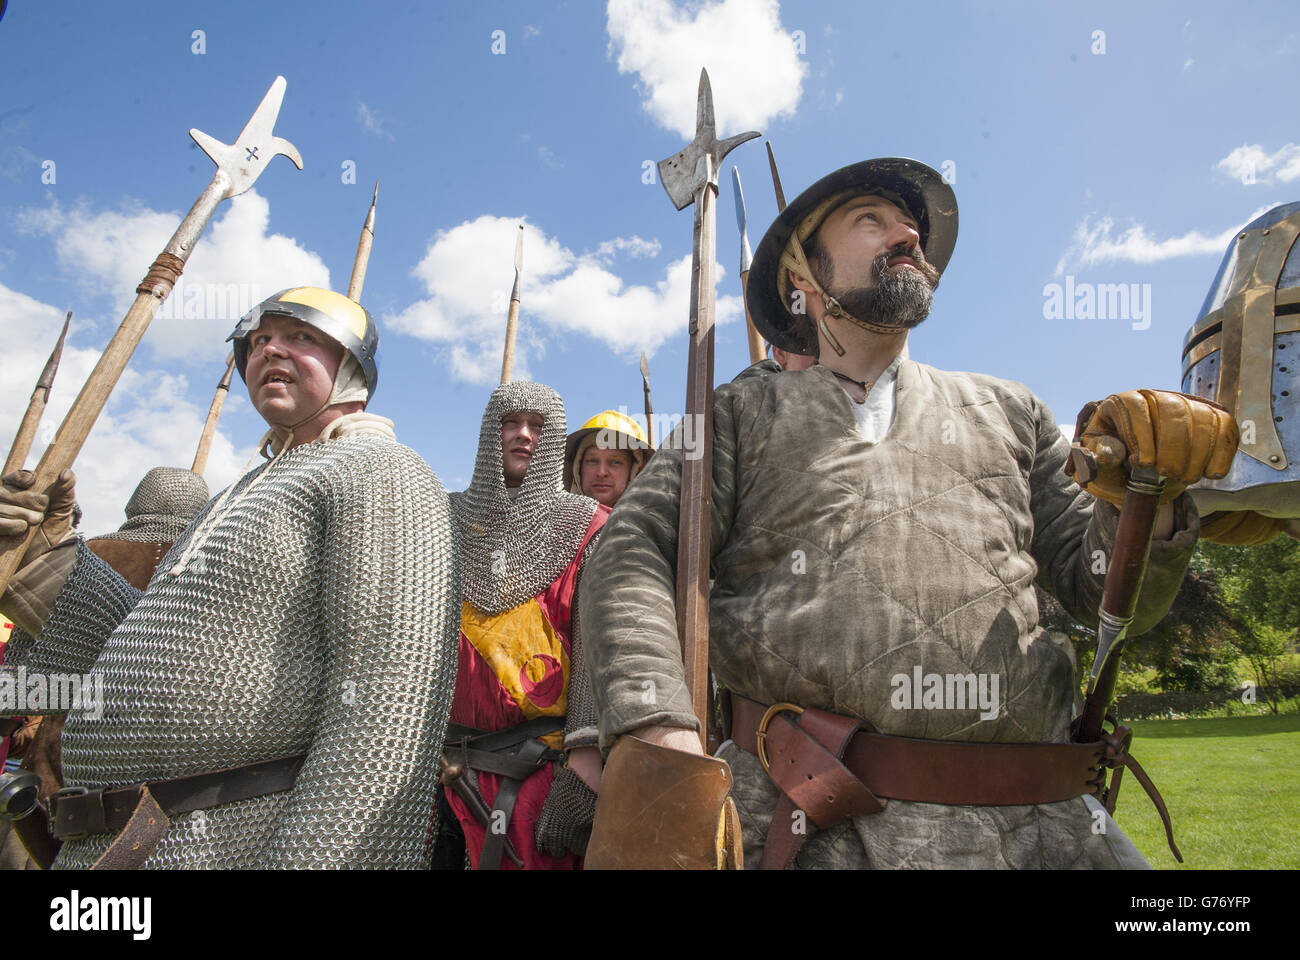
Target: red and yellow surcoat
[{"x": 514, "y": 667}]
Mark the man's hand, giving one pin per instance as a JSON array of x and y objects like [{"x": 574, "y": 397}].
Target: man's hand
[
  {"x": 1184, "y": 438},
  {"x": 1246, "y": 528},
  {"x": 675, "y": 738},
  {"x": 51, "y": 511}
]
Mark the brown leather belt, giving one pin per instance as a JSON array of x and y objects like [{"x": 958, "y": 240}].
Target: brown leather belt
[
  {"x": 142, "y": 810},
  {"x": 831, "y": 768}
]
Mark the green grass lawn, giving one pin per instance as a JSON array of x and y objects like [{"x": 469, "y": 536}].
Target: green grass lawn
[{"x": 1232, "y": 787}]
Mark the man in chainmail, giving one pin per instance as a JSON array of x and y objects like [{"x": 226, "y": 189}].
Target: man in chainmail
[
  {"x": 522, "y": 698},
  {"x": 878, "y": 526},
  {"x": 294, "y": 653},
  {"x": 159, "y": 510}
]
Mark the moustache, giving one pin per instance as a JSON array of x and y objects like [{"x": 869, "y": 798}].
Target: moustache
[{"x": 880, "y": 265}]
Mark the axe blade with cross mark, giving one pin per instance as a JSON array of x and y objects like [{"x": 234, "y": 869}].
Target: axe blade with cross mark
[
  {"x": 238, "y": 167},
  {"x": 692, "y": 176}
]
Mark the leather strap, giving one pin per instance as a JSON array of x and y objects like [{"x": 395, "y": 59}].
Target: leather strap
[
  {"x": 515, "y": 755},
  {"x": 829, "y": 767},
  {"x": 804, "y": 762},
  {"x": 138, "y": 839},
  {"x": 947, "y": 771},
  {"x": 150, "y": 805}
]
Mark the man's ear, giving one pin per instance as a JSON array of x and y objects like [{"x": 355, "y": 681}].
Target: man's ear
[{"x": 799, "y": 283}]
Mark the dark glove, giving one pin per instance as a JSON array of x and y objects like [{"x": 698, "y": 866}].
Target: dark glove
[{"x": 570, "y": 809}]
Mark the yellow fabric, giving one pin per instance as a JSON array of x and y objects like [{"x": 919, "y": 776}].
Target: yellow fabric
[
  {"x": 514, "y": 645},
  {"x": 335, "y": 304}
]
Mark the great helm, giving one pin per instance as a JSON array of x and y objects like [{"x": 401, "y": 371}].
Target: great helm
[
  {"x": 333, "y": 314},
  {"x": 925, "y": 194},
  {"x": 1244, "y": 351},
  {"x": 609, "y": 430}
]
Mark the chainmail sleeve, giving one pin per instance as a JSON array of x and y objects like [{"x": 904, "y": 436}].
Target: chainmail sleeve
[
  {"x": 389, "y": 615},
  {"x": 93, "y": 601},
  {"x": 580, "y": 719}
]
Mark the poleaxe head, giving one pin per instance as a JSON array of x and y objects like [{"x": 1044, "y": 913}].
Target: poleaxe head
[
  {"x": 682, "y": 174},
  {"x": 254, "y": 148}
]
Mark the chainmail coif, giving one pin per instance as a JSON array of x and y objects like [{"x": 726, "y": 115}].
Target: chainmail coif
[
  {"x": 318, "y": 616},
  {"x": 514, "y": 549},
  {"x": 162, "y": 506}
]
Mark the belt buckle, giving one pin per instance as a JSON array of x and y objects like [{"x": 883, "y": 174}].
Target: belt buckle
[
  {"x": 761, "y": 735},
  {"x": 54, "y": 807}
]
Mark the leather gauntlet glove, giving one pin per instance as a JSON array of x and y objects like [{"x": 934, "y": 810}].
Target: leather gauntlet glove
[
  {"x": 1245, "y": 528},
  {"x": 664, "y": 809},
  {"x": 1184, "y": 438},
  {"x": 51, "y": 511},
  {"x": 565, "y": 824},
  {"x": 41, "y": 575}
]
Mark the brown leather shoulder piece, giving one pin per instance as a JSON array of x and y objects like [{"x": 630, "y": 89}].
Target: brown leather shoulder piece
[
  {"x": 663, "y": 809},
  {"x": 136, "y": 560}
]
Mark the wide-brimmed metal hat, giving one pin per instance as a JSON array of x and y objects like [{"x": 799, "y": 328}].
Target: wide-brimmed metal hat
[{"x": 925, "y": 193}]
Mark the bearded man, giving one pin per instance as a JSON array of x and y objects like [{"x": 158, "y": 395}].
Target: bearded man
[
  {"x": 521, "y": 765},
  {"x": 878, "y": 526},
  {"x": 277, "y": 695}
]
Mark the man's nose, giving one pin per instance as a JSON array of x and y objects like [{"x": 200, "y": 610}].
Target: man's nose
[
  {"x": 273, "y": 346},
  {"x": 903, "y": 234}
]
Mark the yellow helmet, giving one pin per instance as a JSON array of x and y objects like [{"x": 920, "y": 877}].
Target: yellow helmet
[{"x": 610, "y": 430}]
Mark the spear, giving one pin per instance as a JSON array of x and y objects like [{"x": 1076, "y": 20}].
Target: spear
[
  {"x": 363, "y": 251},
  {"x": 691, "y": 176},
  {"x": 649, "y": 415},
  {"x": 757, "y": 349},
  {"x": 36, "y": 406},
  {"x": 214, "y": 413},
  {"x": 512, "y": 318},
  {"x": 776, "y": 178},
  {"x": 238, "y": 167}
]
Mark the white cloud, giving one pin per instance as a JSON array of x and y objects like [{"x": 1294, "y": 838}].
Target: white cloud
[
  {"x": 468, "y": 271},
  {"x": 1250, "y": 164},
  {"x": 236, "y": 265},
  {"x": 633, "y": 246},
  {"x": 548, "y": 157},
  {"x": 148, "y": 421},
  {"x": 1098, "y": 243},
  {"x": 369, "y": 121},
  {"x": 1187, "y": 64},
  {"x": 754, "y": 70}
]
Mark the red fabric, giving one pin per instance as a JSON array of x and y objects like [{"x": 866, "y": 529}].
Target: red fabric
[{"x": 483, "y": 703}]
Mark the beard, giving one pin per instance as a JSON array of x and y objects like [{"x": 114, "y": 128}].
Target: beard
[{"x": 896, "y": 298}]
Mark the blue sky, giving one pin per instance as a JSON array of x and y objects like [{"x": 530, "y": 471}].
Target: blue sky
[{"x": 1097, "y": 144}]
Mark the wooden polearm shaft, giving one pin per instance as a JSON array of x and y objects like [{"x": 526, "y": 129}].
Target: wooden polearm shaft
[
  {"x": 697, "y": 464},
  {"x": 1124, "y": 575},
  {"x": 26, "y": 435},
  {"x": 362, "y": 259},
  {"x": 512, "y": 317},
  {"x": 214, "y": 414},
  {"x": 238, "y": 167}
]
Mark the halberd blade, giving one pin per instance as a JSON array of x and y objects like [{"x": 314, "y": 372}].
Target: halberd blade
[
  {"x": 255, "y": 147},
  {"x": 682, "y": 174}
]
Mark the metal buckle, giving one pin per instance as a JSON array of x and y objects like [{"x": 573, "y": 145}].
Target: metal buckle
[
  {"x": 54, "y": 807},
  {"x": 761, "y": 735}
]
